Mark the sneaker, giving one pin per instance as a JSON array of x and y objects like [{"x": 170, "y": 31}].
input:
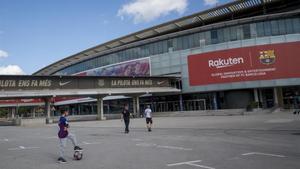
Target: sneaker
[
  {"x": 61, "y": 160},
  {"x": 77, "y": 148},
  {"x": 149, "y": 129}
]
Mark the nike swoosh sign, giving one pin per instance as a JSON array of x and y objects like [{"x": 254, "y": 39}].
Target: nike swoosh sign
[
  {"x": 64, "y": 83},
  {"x": 160, "y": 82}
]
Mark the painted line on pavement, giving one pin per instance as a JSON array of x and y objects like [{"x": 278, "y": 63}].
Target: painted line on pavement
[
  {"x": 264, "y": 154},
  {"x": 90, "y": 143},
  {"x": 175, "y": 148},
  {"x": 23, "y": 148},
  {"x": 4, "y": 139},
  {"x": 136, "y": 139},
  {"x": 191, "y": 163},
  {"x": 181, "y": 163},
  {"x": 163, "y": 146}
]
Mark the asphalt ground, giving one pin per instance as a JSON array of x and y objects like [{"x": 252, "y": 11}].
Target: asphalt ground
[{"x": 269, "y": 141}]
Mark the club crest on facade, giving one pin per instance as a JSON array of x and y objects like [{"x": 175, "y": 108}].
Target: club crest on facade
[
  {"x": 267, "y": 57},
  {"x": 101, "y": 82}
]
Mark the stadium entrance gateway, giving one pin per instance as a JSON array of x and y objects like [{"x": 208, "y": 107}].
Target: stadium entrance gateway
[{"x": 48, "y": 87}]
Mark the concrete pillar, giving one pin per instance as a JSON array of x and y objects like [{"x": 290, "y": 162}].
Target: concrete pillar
[
  {"x": 215, "y": 103},
  {"x": 78, "y": 109},
  {"x": 278, "y": 97},
  {"x": 138, "y": 106},
  {"x": 108, "y": 107},
  {"x": 275, "y": 97},
  {"x": 134, "y": 106},
  {"x": 13, "y": 112},
  {"x": 256, "y": 99},
  {"x": 180, "y": 102},
  {"x": 261, "y": 98},
  {"x": 92, "y": 109},
  {"x": 33, "y": 112},
  {"x": 100, "y": 115},
  {"x": 48, "y": 110}
]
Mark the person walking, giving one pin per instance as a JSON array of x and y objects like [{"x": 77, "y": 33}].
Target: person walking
[
  {"x": 126, "y": 118},
  {"x": 64, "y": 135},
  {"x": 148, "y": 115}
]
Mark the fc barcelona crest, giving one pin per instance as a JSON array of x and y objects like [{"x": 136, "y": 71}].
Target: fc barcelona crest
[
  {"x": 101, "y": 83},
  {"x": 267, "y": 57}
]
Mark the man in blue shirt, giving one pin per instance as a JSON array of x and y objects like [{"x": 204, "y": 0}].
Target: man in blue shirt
[{"x": 64, "y": 135}]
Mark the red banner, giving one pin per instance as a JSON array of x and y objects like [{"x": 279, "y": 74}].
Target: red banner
[{"x": 265, "y": 62}]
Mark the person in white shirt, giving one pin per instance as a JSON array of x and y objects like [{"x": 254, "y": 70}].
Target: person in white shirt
[{"x": 148, "y": 115}]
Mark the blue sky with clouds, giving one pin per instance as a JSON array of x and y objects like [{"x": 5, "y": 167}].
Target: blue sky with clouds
[{"x": 36, "y": 33}]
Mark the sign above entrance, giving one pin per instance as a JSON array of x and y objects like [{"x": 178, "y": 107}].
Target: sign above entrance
[{"x": 9, "y": 83}]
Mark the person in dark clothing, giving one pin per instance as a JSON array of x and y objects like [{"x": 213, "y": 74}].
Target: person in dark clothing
[{"x": 126, "y": 118}]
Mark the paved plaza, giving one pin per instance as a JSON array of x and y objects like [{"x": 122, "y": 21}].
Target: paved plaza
[{"x": 208, "y": 142}]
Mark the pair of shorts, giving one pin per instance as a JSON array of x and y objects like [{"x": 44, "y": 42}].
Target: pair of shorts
[{"x": 149, "y": 120}]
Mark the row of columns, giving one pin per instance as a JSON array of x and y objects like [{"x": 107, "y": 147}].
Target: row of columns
[
  {"x": 277, "y": 96},
  {"x": 100, "y": 110}
]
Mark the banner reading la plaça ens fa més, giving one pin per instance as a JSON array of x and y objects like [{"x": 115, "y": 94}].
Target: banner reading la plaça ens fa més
[{"x": 265, "y": 62}]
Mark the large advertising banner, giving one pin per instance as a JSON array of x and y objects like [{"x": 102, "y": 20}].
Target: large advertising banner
[
  {"x": 140, "y": 67},
  {"x": 265, "y": 62}
]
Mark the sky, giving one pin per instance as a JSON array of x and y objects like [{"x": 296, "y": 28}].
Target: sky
[{"x": 36, "y": 33}]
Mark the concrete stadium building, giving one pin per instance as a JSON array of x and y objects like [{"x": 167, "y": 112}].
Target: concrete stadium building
[{"x": 228, "y": 57}]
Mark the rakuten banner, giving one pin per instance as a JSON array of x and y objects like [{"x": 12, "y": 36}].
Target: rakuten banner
[{"x": 265, "y": 62}]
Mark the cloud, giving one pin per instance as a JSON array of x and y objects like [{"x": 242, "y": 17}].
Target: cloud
[
  {"x": 3, "y": 54},
  {"x": 148, "y": 10},
  {"x": 211, "y": 2},
  {"x": 11, "y": 70}
]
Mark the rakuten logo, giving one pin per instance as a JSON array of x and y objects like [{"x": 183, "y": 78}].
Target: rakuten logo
[{"x": 221, "y": 63}]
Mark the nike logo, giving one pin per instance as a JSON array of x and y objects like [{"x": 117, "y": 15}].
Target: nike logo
[
  {"x": 161, "y": 82},
  {"x": 64, "y": 83}
]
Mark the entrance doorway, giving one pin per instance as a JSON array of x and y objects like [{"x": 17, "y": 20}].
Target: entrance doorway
[{"x": 267, "y": 98}]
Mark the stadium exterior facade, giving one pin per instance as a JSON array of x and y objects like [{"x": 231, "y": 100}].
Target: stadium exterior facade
[{"x": 228, "y": 57}]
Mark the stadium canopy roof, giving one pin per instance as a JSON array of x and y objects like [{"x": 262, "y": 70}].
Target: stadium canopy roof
[{"x": 230, "y": 11}]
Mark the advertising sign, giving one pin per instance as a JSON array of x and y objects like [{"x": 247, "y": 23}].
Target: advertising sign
[
  {"x": 140, "y": 67},
  {"x": 265, "y": 62},
  {"x": 13, "y": 83}
]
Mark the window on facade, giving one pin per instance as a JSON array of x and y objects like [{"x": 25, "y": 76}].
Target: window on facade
[
  {"x": 170, "y": 43},
  {"x": 267, "y": 27},
  {"x": 233, "y": 33},
  {"x": 191, "y": 41},
  {"x": 221, "y": 35},
  {"x": 296, "y": 24},
  {"x": 260, "y": 29},
  {"x": 275, "y": 27},
  {"x": 226, "y": 34},
  {"x": 196, "y": 39},
  {"x": 246, "y": 31},
  {"x": 179, "y": 43},
  {"x": 207, "y": 38},
  {"x": 289, "y": 26},
  {"x": 185, "y": 42},
  {"x": 214, "y": 36},
  {"x": 253, "y": 30},
  {"x": 165, "y": 46},
  {"x": 281, "y": 27}
]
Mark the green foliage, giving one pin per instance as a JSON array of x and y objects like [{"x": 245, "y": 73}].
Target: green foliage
[
  {"x": 252, "y": 105},
  {"x": 3, "y": 112}
]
